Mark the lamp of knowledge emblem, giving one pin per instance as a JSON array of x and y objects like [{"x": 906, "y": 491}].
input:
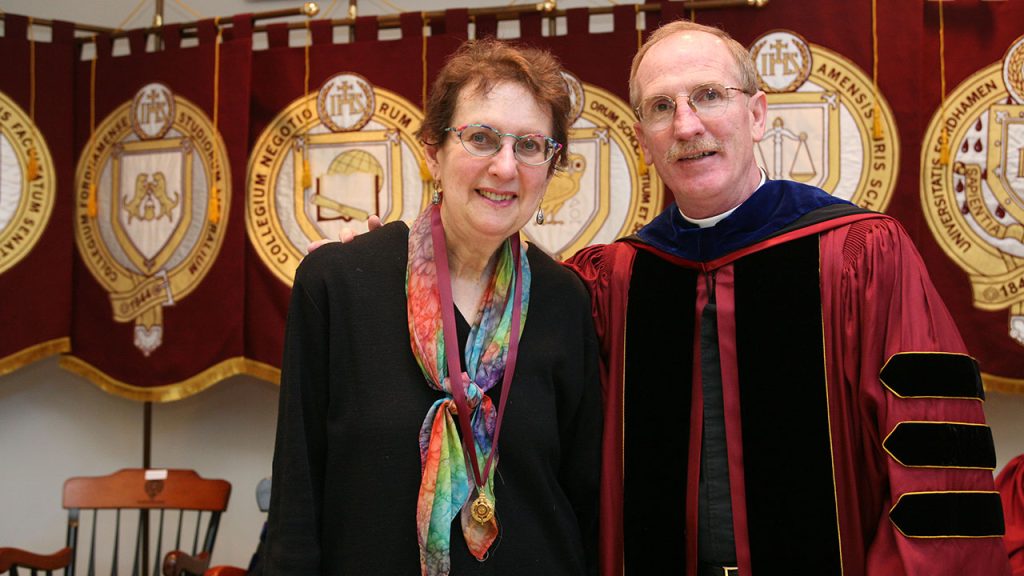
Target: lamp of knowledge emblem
[
  {"x": 579, "y": 205},
  {"x": 152, "y": 187},
  {"x": 972, "y": 184}
]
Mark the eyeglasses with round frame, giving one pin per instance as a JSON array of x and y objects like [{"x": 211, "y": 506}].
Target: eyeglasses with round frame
[
  {"x": 484, "y": 140},
  {"x": 707, "y": 101}
]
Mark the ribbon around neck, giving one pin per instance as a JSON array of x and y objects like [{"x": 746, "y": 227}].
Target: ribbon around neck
[{"x": 448, "y": 457}]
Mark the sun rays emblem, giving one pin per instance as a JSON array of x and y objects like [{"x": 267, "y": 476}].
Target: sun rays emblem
[{"x": 603, "y": 156}]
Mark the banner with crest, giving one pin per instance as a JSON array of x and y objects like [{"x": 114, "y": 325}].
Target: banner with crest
[
  {"x": 330, "y": 151},
  {"x": 971, "y": 193},
  {"x": 333, "y": 141},
  {"x": 189, "y": 218},
  {"x": 35, "y": 213},
  {"x": 158, "y": 212}
]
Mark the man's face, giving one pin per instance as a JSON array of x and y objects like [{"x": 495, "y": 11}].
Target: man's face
[{"x": 707, "y": 162}]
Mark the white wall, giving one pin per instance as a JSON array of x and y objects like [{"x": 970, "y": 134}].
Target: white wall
[{"x": 54, "y": 425}]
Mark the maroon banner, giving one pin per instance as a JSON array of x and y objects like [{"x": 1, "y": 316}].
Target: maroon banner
[
  {"x": 969, "y": 207},
  {"x": 35, "y": 207},
  {"x": 159, "y": 224},
  {"x": 168, "y": 299}
]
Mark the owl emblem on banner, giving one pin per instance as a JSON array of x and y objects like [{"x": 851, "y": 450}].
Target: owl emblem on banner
[
  {"x": 579, "y": 205},
  {"x": 27, "y": 184},
  {"x": 972, "y": 183},
  {"x": 821, "y": 125},
  {"x": 326, "y": 163},
  {"x": 152, "y": 187}
]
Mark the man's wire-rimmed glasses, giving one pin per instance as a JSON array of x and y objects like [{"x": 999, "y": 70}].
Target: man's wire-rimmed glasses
[
  {"x": 483, "y": 140},
  {"x": 707, "y": 101}
]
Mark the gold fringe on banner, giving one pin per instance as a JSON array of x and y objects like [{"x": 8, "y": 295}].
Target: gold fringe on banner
[
  {"x": 167, "y": 393},
  {"x": 307, "y": 172},
  {"x": 33, "y": 354},
  {"x": 944, "y": 138},
  {"x": 213, "y": 209},
  {"x": 876, "y": 110}
]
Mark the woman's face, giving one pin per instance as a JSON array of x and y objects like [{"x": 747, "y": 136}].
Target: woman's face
[{"x": 487, "y": 198}]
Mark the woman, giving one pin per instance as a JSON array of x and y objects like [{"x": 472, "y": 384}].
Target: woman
[{"x": 374, "y": 471}]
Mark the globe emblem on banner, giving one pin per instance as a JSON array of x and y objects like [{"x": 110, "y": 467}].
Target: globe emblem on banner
[
  {"x": 152, "y": 187},
  {"x": 972, "y": 184},
  {"x": 326, "y": 163},
  {"x": 603, "y": 193},
  {"x": 27, "y": 184},
  {"x": 821, "y": 124}
]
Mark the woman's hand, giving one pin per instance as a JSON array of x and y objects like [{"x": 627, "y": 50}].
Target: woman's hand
[{"x": 373, "y": 222}]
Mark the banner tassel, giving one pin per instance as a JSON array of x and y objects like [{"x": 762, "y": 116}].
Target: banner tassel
[
  {"x": 307, "y": 174},
  {"x": 425, "y": 172},
  {"x": 214, "y": 205},
  {"x": 876, "y": 122},
  {"x": 33, "y": 164},
  {"x": 944, "y": 147},
  {"x": 90, "y": 205}
]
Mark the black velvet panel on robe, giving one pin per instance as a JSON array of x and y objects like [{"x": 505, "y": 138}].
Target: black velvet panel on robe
[
  {"x": 659, "y": 340},
  {"x": 790, "y": 489}
]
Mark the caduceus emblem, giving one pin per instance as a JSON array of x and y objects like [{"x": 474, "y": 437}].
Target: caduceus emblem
[{"x": 150, "y": 194}]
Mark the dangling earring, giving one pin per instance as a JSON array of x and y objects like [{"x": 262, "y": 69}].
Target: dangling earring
[
  {"x": 435, "y": 197},
  {"x": 540, "y": 216}
]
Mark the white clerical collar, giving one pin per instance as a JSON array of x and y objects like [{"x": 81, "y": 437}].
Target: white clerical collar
[{"x": 712, "y": 220}]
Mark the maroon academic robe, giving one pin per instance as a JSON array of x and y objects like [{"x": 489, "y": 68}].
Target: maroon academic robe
[{"x": 854, "y": 424}]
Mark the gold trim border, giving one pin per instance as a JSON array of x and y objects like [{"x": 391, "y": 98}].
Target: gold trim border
[
  {"x": 171, "y": 392},
  {"x": 996, "y": 383},
  {"x": 34, "y": 353}
]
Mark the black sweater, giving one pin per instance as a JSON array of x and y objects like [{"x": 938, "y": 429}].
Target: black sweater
[{"x": 347, "y": 464}]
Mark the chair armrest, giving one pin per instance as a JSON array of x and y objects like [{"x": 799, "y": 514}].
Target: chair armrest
[
  {"x": 178, "y": 563},
  {"x": 225, "y": 571},
  {"x": 25, "y": 559}
]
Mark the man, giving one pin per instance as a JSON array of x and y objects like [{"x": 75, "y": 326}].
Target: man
[{"x": 785, "y": 392}]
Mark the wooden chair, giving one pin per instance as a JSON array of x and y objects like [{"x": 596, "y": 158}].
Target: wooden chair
[
  {"x": 155, "y": 510},
  {"x": 263, "y": 501}
]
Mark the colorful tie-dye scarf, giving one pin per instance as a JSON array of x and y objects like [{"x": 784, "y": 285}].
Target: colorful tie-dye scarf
[{"x": 447, "y": 484}]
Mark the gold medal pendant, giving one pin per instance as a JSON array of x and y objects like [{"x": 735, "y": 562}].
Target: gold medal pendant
[{"x": 482, "y": 509}]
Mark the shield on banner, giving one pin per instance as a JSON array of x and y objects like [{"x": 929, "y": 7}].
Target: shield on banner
[
  {"x": 151, "y": 200},
  {"x": 351, "y": 171},
  {"x": 801, "y": 138},
  {"x": 576, "y": 201},
  {"x": 1005, "y": 175}
]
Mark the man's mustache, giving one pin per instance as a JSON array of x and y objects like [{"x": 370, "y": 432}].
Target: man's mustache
[{"x": 685, "y": 149}]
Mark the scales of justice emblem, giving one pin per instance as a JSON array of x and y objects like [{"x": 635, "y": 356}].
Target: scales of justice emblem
[
  {"x": 972, "y": 184},
  {"x": 602, "y": 194},
  {"x": 820, "y": 124},
  {"x": 27, "y": 184},
  {"x": 327, "y": 162},
  {"x": 152, "y": 187}
]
